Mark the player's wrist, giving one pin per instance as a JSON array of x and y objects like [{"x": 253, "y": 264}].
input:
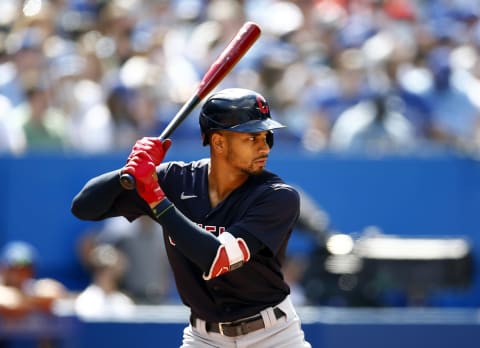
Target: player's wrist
[
  {"x": 161, "y": 207},
  {"x": 154, "y": 201}
]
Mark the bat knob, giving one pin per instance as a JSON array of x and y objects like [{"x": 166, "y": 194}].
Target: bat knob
[{"x": 127, "y": 181}]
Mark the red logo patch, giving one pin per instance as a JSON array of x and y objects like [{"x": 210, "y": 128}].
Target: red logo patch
[{"x": 262, "y": 105}]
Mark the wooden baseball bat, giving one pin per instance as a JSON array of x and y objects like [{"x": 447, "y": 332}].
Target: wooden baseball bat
[{"x": 236, "y": 49}]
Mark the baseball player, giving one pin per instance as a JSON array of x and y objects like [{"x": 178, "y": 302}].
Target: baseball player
[{"x": 226, "y": 223}]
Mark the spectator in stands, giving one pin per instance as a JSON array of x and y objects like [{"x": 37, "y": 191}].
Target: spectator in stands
[
  {"x": 103, "y": 298},
  {"x": 119, "y": 103},
  {"x": 374, "y": 127},
  {"x": 312, "y": 228},
  {"x": 12, "y": 139},
  {"x": 456, "y": 116},
  {"x": 21, "y": 60},
  {"x": 324, "y": 56},
  {"x": 146, "y": 277},
  {"x": 26, "y": 302},
  {"x": 21, "y": 293},
  {"x": 42, "y": 124},
  {"x": 346, "y": 86},
  {"x": 294, "y": 268}
]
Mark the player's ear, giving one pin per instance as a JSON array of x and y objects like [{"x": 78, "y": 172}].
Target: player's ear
[{"x": 217, "y": 140}]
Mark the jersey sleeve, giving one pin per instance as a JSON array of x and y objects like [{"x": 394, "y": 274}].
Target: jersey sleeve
[
  {"x": 103, "y": 197},
  {"x": 271, "y": 218}
]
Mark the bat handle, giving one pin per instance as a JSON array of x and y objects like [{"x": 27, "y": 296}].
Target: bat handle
[{"x": 127, "y": 181}]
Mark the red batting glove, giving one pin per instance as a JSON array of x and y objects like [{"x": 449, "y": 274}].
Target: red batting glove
[
  {"x": 153, "y": 146},
  {"x": 143, "y": 169}
]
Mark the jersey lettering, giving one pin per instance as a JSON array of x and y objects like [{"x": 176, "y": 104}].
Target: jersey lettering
[
  {"x": 210, "y": 228},
  {"x": 216, "y": 230}
]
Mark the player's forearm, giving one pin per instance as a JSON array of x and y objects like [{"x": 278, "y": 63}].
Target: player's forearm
[
  {"x": 213, "y": 255},
  {"x": 97, "y": 197},
  {"x": 193, "y": 241}
]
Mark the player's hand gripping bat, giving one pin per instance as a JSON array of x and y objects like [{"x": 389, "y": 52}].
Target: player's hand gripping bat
[{"x": 236, "y": 49}]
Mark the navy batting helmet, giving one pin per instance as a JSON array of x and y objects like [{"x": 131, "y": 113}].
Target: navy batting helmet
[{"x": 237, "y": 110}]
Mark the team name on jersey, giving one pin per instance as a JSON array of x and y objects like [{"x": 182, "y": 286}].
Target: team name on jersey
[{"x": 216, "y": 230}]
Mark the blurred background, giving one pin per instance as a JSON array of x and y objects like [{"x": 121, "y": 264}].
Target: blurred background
[{"x": 383, "y": 142}]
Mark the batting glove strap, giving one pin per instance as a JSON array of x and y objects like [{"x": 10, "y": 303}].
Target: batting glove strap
[{"x": 162, "y": 207}]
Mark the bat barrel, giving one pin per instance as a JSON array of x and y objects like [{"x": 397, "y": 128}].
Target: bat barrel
[
  {"x": 230, "y": 56},
  {"x": 236, "y": 49}
]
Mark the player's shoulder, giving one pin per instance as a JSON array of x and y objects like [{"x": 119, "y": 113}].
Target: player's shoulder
[
  {"x": 181, "y": 166},
  {"x": 271, "y": 183}
]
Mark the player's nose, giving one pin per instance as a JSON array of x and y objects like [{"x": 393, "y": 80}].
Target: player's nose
[{"x": 264, "y": 147}]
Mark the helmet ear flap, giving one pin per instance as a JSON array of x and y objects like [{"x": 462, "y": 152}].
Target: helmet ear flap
[
  {"x": 204, "y": 129},
  {"x": 270, "y": 139},
  {"x": 205, "y": 138}
]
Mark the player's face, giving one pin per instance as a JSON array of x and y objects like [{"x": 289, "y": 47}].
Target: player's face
[{"x": 247, "y": 152}]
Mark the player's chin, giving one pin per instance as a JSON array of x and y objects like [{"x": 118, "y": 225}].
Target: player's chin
[
  {"x": 256, "y": 167},
  {"x": 255, "y": 170}
]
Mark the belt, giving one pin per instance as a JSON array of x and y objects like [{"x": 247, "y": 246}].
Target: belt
[{"x": 238, "y": 327}]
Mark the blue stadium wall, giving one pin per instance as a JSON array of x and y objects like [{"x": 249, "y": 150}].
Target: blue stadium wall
[{"x": 434, "y": 195}]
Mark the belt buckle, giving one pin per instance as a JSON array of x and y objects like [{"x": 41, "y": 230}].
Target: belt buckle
[
  {"x": 237, "y": 326},
  {"x": 220, "y": 327}
]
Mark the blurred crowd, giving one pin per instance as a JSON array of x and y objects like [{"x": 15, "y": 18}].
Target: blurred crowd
[{"x": 92, "y": 76}]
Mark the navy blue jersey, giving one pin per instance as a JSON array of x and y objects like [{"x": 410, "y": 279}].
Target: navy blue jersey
[{"x": 263, "y": 207}]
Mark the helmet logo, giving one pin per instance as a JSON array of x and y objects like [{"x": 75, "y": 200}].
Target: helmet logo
[{"x": 262, "y": 105}]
